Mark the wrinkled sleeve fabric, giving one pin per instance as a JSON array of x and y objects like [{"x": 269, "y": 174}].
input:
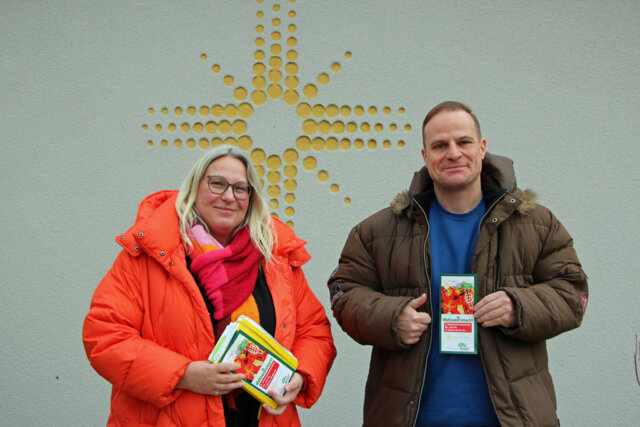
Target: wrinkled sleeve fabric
[
  {"x": 359, "y": 305},
  {"x": 113, "y": 342},
  {"x": 556, "y": 301}
]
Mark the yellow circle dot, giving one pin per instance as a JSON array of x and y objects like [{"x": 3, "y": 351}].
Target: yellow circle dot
[
  {"x": 185, "y": 127},
  {"x": 275, "y": 22},
  {"x": 386, "y": 110},
  {"x": 164, "y": 143},
  {"x": 230, "y": 140},
  {"x": 217, "y": 110},
  {"x": 191, "y": 143},
  {"x": 358, "y": 144},
  {"x": 191, "y": 111},
  {"x": 378, "y": 127},
  {"x": 373, "y": 111},
  {"x": 273, "y": 177},
  {"x": 291, "y": 97},
  {"x": 289, "y": 211},
  {"x": 290, "y": 156},
  {"x": 231, "y": 110},
  {"x": 291, "y": 42},
  {"x": 358, "y": 111},
  {"x": 260, "y": 14},
  {"x": 317, "y": 111},
  {"x": 258, "y": 156},
  {"x": 324, "y": 127},
  {"x": 292, "y": 55},
  {"x": 323, "y": 176},
  {"x": 401, "y": 110},
  {"x": 259, "y": 55},
  {"x": 274, "y": 91},
  {"x": 289, "y": 223},
  {"x": 204, "y": 111},
  {"x": 259, "y": 68},
  {"x": 276, "y": 7},
  {"x": 245, "y": 142},
  {"x": 303, "y": 110},
  {"x": 401, "y": 144},
  {"x": 204, "y": 143},
  {"x": 177, "y": 143},
  {"x": 347, "y": 201},
  {"x": 407, "y": 127},
  {"x": 332, "y": 110},
  {"x": 273, "y": 204},
  {"x": 310, "y": 91},
  {"x": 290, "y": 185},
  {"x": 228, "y": 80},
  {"x": 258, "y": 97},
  {"x": 291, "y": 68},
  {"x": 332, "y": 144},
  {"x": 240, "y": 94},
  {"x": 211, "y": 127},
  {"x": 337, "y": 127},
  {"x": 292, "y": 14},
  {"x": 276, "y": 35},
  {"x": 323, "y": 79},
  {"x": 347, "y": 55},
  {"x": 198, "y": 127},
  {"x": 292, "y": 28},
  {"x": 364, "y": 127},
  {"x": 239, "y": 127},
  {"x": 164, "y": 110},
  {"x": 224, "y": 126},
  {"x": 275, "y": 76},
  {"x": 371, "y": 144},
  {"x": 216, "y": 141},
  {"x": 215, "y": 68},
  {"x": 274, "y": 162},
  {"x": 150, "y": 110},
  {"x": 245, "y": 110},
  {"x": 335, "y": 188},
  {"x": 260, "y": 172},
  {"x": 290, "y": 171},
  {"x": 259, "y": 28},
  {"x": 259, "y": 82},
  {"x": 275, "y": 49},
  {"x": 317, "y": 144},
  {"x": 309, "y": 127},
  {"x": 275, "y": 215},
  {"x": 177, "y": 111},
  {"x": 203, "y": 56},
  {"x": 259, "y": 41},
  {"x": 309, "y": 163},
  {"x": 145, "y": 127},
  {"x": 275, "y": 62},
  {"x": 386, "y": 143},
  {"x": 352, "y": 127},
  {"x": 335, "y": 67},
  {"x": 150, "y": 143},
  {"x": 291, "y": 82},
  {"x": 273, "y": 191},
  {"x": 393, "y": 127},
  {"x": 345, "y": 110},
  {"x": 289, "y": 198},
  {"x": 303, "y": 143}
]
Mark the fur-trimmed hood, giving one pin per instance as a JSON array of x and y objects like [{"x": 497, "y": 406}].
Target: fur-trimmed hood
[{"x": 496, "y": 170}]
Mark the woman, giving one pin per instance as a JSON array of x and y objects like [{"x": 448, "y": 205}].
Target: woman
[{"x": 155, "y": 315}]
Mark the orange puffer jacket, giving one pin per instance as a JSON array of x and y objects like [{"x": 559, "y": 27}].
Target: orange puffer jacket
[{"x": 148, "y": 321}]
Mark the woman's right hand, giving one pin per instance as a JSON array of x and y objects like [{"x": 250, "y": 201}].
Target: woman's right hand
[{"x": 205, "y": 377}]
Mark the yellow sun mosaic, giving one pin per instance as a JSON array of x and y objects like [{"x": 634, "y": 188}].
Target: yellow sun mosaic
[{"x": 275, "y": 79}]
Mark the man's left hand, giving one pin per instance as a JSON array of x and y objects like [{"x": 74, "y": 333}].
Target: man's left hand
[{"x": 496, "y": 309}]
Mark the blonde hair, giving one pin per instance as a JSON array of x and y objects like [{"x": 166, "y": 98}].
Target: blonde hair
[{"x": 257, "y": 218}]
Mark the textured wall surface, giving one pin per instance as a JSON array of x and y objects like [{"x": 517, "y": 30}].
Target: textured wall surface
[{"x": 104, "y": 102}]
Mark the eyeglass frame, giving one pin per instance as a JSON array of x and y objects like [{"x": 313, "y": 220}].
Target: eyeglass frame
[{"x": 233, "y": 186}]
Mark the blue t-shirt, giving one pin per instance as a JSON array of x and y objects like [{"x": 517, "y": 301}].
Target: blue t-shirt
[{"x": 455, "y": 391}]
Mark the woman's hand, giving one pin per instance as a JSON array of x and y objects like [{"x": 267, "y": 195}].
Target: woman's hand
[
  {"x": 292, "y": 389},
  {"x": 205, "y": 377}
]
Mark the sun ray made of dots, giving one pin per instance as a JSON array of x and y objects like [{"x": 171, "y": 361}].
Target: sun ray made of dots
[{"x": 274, "y": 77}]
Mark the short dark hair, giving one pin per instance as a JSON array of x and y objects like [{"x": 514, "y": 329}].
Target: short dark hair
[{"x": 450, "y": 106}]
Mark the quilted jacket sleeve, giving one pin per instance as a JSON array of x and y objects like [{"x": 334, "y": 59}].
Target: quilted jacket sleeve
[
  {"x": 313, "y": 343},
  {"x": 359, "y": 305},
  {"x": 556, "y": 300},
  {"x": 113, "y": 342}
]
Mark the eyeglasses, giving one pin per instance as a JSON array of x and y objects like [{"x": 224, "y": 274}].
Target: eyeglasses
[{"x": 219, "y": 185}]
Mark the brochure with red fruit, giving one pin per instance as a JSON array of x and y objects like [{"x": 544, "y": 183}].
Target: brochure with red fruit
[
  {"x": 265, "y": 364},
  {"x": 458, "y": 327}
]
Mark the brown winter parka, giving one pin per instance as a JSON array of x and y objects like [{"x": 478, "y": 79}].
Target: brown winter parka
[{"x": 522, "y": 249}]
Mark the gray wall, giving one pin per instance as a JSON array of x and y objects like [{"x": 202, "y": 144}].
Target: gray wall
[{"x": 554, "y": 84}]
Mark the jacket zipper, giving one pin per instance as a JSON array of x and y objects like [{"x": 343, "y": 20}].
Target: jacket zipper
[{"x": 426, "y": 272}]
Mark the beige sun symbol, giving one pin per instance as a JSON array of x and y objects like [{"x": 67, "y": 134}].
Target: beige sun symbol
[{"x": 275, "y": 79}]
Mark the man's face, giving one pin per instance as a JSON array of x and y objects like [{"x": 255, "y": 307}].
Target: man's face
[{"x": 452, "y": 151}]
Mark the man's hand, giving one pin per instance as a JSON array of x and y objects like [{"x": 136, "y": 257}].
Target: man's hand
[
  {"x": 291, "y": 391},
  {"x": 496, "y": 309},
  {"x": 412, "y": 323}
]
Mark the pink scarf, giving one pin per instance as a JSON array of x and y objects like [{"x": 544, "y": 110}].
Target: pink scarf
[{"x": 227, "y": 274}]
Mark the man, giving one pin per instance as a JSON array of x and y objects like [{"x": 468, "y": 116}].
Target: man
[{"x": 462, "y": 215}]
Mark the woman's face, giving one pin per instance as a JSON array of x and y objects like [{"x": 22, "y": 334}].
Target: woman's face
[{"x": 222, "y": 212}]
